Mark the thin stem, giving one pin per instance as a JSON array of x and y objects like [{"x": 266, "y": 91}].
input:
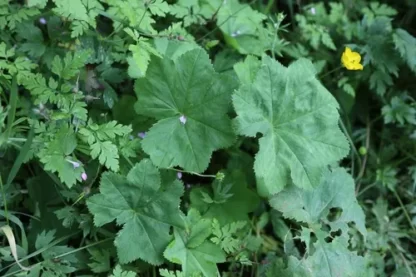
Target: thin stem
[
  {"x": 64, "y": 254},
  {"x": 405, "y": 263},
  {"x": 129, "y": 161},
  {"x": 217, "y": 10},
  {"x": 367, "y": 146},
  {"x": 141, "y": 19},
  {"x": 37, "y": 252},
  {"x": 274, "y": 44},
  {"x": 269, "y": 6},
  {"x": 4, "y": 201},
  {"x": 344, "y": 129},
  {"x": 404, "y": 210},
  {"x": 366, "y": 188},
  {"x": 192, "y": 172},
  {"x": 331, "y": 71}
]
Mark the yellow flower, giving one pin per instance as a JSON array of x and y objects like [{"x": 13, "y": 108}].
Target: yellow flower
[{"x": 351, "y": 60}]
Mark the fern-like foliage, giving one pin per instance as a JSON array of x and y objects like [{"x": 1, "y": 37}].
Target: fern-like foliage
[{"x": 102, "y": 140}]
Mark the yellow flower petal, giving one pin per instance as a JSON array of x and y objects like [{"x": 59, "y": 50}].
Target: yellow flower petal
[
  {"x": 347, "y": 50},
  {"x": 355, "y": 57},
  {"x": 351, "y": 60}
]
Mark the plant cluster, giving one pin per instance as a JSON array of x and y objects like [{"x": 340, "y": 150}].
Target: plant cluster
[{"x": 207, "y": 138}]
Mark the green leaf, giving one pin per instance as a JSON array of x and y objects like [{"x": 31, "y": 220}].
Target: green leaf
[
  {"x": 141, "y": 56},
  {"x": 101, "y": 260},
  {"x": 70, "y": 65},
  {"x": 405, "y": 43},
  {"x": 55, "y": 157},
  {"x": 387, "y": 177},
  {"x": 107, "y": 154},
  {"x": 79, "y": 28},
  {"x": 337, "y": 190},
  {"x": 378, "y": 9},
  {"x": 190, "y": 100},
  {"x": 247, "y": 70},
  {"x": 200, "y": 228},
  {"x": 298, "y": 118},
  {"x": 158, "y": 7},
  {"x": 101, "y": 139},
  {"x": 72, "y": 9},
  {"x": 192, "y": 251},
  {"x": 145, "y": 207},
  {"x": 16, "y": 16},
  {"x": 225, "y": 209},
  {"x": 398, "y": 111},
  {"x": 44, "y": 239},
  {"x": 38, "y": 3},
  {"x": 328, "y": 260},
  {"x": 119, "y": 272},
  {"x": 225, "y": 236},
  {"x": 380, "y": 81},
  {"x": 244, "y": 29},
  {"x": 173, "y": 49}
]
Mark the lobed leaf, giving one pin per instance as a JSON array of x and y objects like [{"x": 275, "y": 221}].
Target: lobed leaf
[{"x": 298, "y": 119}]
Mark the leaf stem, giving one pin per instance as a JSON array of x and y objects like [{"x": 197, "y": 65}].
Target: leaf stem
[
  {"x": 331, "y": 71},
  {"x": 366, "y": 188},
  {"x": 344, "y": 129},
  {"x": 364, "y": 163},
  {"x": 141, "y": 19},
  {"x": 192, "y": 172},
  {"x": 61, "y": 255},
  {"x": 4, "y": 201},
  {"x": 404, "y": 210}
]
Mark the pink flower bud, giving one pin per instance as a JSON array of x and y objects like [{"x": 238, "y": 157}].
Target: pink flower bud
[{"x": 84, "y": 176}]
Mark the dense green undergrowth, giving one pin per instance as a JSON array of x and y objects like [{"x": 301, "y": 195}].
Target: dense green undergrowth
[{"x": 207, "y": 137}]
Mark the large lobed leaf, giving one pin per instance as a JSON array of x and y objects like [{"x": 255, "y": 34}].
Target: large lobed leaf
[
  {"x": 298, "y": 119},
  {"x": 224, "y": 208},
  {"x": 193, "y": 250},
  {"x": 328, "y": 254},
  {"x": 190, "y": 89},
  {"x": 328, "y": 260},
  {"x": 144, "y": 207},
  {"x": 337, "y": 190}
]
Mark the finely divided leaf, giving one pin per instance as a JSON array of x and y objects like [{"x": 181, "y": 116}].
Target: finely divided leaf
[
  {"x": 405, "y": 43},
  {"x": 298, "y": 119},
  {"x": 72, "y": 9},
  {"x": 190, "y": 100},
  {"x": 56, "y": 157},
  {"x": 144, "y": 208}
]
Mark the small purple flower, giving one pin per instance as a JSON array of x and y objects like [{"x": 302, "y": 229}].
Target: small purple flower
[
  {"x": 142, "y": 135},
  {"x": 182, "y": 119},
  {"x": 42, "y": 21},
  {"x": 74, "y": 164},
  {"x": 179, "y": 175},
  {"x": 313, "y": 10},
  {"x": 188, "y": 186},
  {"x": 84, "y": 176}
]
